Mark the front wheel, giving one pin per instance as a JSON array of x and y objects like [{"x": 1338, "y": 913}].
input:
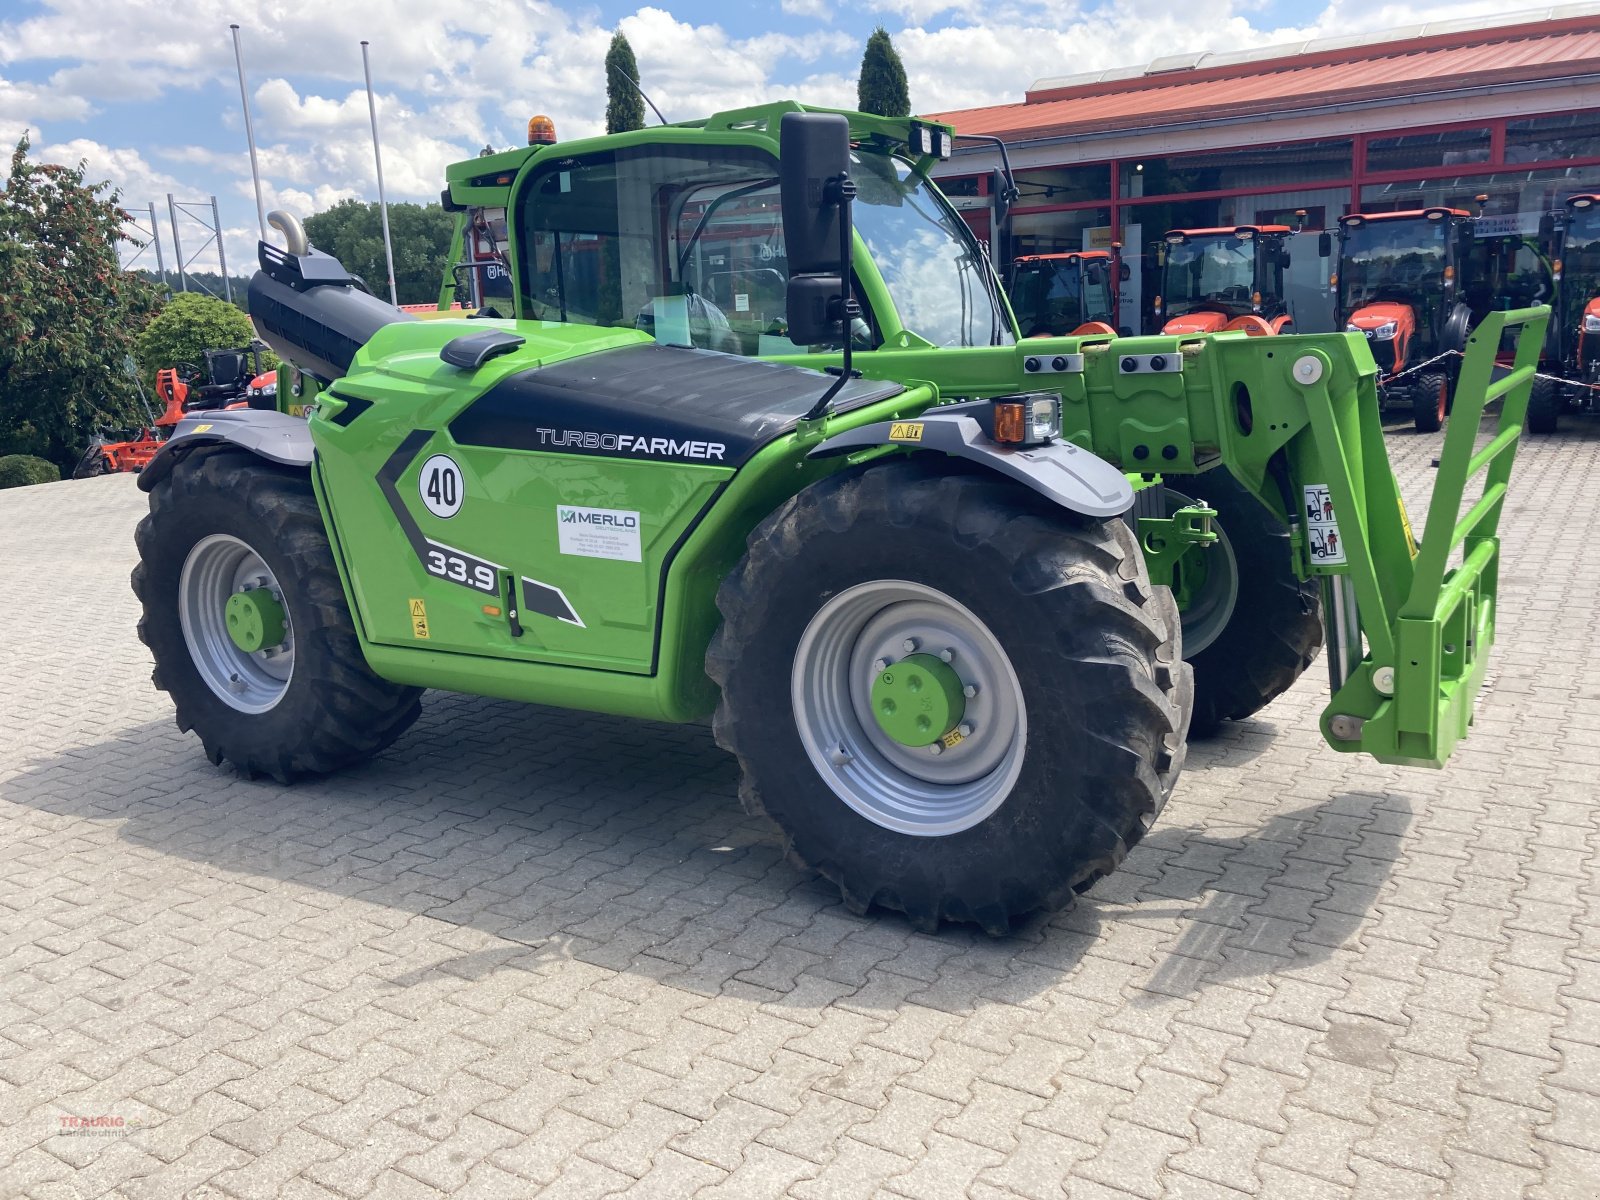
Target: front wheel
[
  {"x": 954, "y": 698},
  {"x": 1251, "y": 626},
  {"x": 1544, "y": 405},
  {"x": 1430, "y": 401},
  {"x": 248, "y": 624}
]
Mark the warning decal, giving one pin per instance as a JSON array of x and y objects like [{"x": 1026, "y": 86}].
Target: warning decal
[
  {"x": 419, "y": 619},
  {"x": 905, "y": 431},
  {"x": 1322, "y": 527}
]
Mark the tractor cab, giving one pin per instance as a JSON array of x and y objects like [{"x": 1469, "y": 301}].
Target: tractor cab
[
  {"x": 1577, "y": 263},
  {"x": 1073, "y": 294},
  {"x": 1399, "y": 283},
  {"x": 1227, "y": 278}
]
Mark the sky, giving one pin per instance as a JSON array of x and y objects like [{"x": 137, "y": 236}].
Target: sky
[{"x": 145, "y": 91}]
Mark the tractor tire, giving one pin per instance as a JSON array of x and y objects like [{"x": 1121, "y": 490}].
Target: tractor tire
[
  {"x": 92, "y": 463},
  {"x": 1068, "y": 746},
  {"x": 1252, "y": 627},
  {"x": 225, "y": 522},
  {"x": 1430, "y": 401},
  {"x": 1545, "y": 402}
]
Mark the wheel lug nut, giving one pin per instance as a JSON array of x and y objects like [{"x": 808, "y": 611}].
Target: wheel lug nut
[
  {"x": 880, "y": 665},
  {"x": 964, "y": 729},
  {"x": 946, "y": 655},
  {"x": 909, "y": 645},
  {"x": 970, "y": 690},
  {"x": 936, "y": 748}
]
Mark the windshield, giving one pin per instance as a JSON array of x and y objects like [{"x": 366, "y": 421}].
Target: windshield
[
  {"x": 1580, "y": 259},
  {"x": 1216, "y": 273},
  {"x": 1391, "y": 260},
  {"x": 936, "y": 272}
]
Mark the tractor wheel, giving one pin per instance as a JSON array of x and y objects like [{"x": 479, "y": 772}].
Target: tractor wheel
[
  {"x": 1544, "y": 405},
  {"x": 1430, "y": 401},
  {"x": 1251, "y": 627},
  {"x": 247, "y": 621},
  {"x": 954, "y": 698},
  {"x": 92, "y": 463}
]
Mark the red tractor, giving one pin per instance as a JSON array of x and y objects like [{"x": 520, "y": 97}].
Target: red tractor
[
  {"x": 1574, "y": 342},
  {"x": 1398, "y": 282},
  {"x": 1072, "y": 294},
  {"x": 1224, "y": 278},
  {"x": 237, "y": 381}
]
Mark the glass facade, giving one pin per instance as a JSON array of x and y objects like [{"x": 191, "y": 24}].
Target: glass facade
[{"x": 1526, "y": 166}]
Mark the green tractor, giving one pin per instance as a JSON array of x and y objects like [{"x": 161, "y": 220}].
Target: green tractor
[{"x": 760, "y": 445}]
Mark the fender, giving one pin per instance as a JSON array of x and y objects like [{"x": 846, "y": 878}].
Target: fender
[
  {"x": 266, "y": 433},
  {"x": 1062, "y": 472}
]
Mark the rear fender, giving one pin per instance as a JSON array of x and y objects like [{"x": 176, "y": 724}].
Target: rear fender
[
  {"x": 266, "y": 433},
  {"x": 1064, "y": 473}
]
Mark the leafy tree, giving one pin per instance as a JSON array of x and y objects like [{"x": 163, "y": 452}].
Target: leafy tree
[
  {"x": 189, "y": 325},
  {"x": 352, "y": 232},
  {"x": 624, "y": 105},
  {"x": 69, "y": 313},
  {"x": 882, "y": 88}
]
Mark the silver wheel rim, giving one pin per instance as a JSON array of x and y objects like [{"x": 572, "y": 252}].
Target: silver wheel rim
[
  {"x": 217, "y": 567},
  {"x": 1211, "y": 608},
  {"x": 909, "y": 790}
]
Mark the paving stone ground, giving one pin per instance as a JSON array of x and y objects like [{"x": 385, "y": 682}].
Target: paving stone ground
[{"x": 529, "y": 952}]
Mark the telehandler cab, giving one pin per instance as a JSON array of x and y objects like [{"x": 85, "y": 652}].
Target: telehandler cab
[{"x": 922, "y": 595}]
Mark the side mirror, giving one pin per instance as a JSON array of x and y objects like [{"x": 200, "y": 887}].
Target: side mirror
[
  {"x": 1124, "y": 272},
  {"x": 1324, "y": 245},
  {"x": 814, "y": 157},
  {"x": 1283, "y": 260}
]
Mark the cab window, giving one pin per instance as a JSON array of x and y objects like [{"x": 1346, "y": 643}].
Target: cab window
[{"x": 685, "y": 243}]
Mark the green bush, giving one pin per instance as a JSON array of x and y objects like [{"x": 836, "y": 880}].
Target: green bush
[{"x": 19, "y": 470}]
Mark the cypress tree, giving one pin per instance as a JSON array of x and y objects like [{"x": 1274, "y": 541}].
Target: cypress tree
[
  {"x": 624, "y": 105},
  {"x": 882, "y": 88}
]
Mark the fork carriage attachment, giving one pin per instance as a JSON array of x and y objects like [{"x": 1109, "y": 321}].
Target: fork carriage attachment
[{"x": 1410, "y": 625}]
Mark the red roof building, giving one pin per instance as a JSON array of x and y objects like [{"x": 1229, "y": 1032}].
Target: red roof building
[{"x": 1432, "y": 115}]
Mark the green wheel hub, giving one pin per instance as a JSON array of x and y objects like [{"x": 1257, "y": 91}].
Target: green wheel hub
[
  {"x": 917, "y": 700},
  {"x": 255, "y": 620}
]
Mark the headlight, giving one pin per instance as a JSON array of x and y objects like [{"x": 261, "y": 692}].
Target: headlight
[
  {"x": 1354, "y": 329},
  {"x": 1385, "y": 331},
  {"x": 1029, "y": 419},
  {"x": 1591, "y": 323}
]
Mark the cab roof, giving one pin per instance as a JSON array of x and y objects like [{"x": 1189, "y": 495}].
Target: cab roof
[
  {"x": 1218, "y": 230},
  {"x": 1410, "y": 214}
]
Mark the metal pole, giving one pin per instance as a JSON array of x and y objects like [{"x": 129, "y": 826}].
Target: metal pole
[
  {"x": 377, "y": 157},
  {"x": 177, "y": 245},
  {"x": 249, "y": 135},
  {"x": 155, "y": 236},
  {"x": 222, "y": 258}
]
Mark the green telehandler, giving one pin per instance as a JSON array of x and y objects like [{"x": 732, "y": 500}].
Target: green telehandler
[{"x": 760, "y": 445}]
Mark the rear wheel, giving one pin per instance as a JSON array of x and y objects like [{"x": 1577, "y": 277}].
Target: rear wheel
[
  {"x": 1430, "y": 401},
  {"x": 1544, "y": 405},
  {"x": 953, "y": 698},
  {"x": 1251, "y": 627},
  {"x": 247, "y": 621}
]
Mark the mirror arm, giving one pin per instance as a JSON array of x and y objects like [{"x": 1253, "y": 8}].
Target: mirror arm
[{"x": 842, "y": 191}]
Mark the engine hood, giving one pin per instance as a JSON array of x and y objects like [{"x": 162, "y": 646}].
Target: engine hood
[
  {"x": 1196, "y": 322},
  {"x": 1371, "y": 316}
]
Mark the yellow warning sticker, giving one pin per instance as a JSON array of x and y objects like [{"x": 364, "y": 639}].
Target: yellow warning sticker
[
  {"x": 905, "y": 431},
  {"x": 302, "y": 410},
  {"x": 952, "y": 739},
  {"x": 200, "y": 429},
  {"x": 419, "y": 619},
  {"x": 1405, "y": 520}
]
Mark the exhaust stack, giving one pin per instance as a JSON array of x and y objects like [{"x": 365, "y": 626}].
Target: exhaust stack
[{"x": 312, "y": 312}]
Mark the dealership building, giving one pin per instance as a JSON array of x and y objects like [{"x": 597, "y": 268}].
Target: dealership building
[{"x": 1436, "y": 114}]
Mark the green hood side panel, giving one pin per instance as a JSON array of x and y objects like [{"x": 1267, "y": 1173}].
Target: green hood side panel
[{"x": 636, "y": 637}]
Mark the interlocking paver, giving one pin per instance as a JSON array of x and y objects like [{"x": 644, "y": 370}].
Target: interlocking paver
[{"x": 495, "y": 961}]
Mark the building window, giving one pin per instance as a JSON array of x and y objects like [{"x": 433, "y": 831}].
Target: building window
[
  {"x": 1060, "y": 232},
  {"x": 1063, "y": 185},
  {"x": 1447, "y": 148},
  {"x": 961, "y": 185},
  {"x": 1263, "y": 167},
  {"x": 1527, "y": 192},
  {"x": 1570, "y": 135}
]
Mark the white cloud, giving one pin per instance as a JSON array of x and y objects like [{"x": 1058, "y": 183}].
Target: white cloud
[{"x": 820, "y": 10}]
